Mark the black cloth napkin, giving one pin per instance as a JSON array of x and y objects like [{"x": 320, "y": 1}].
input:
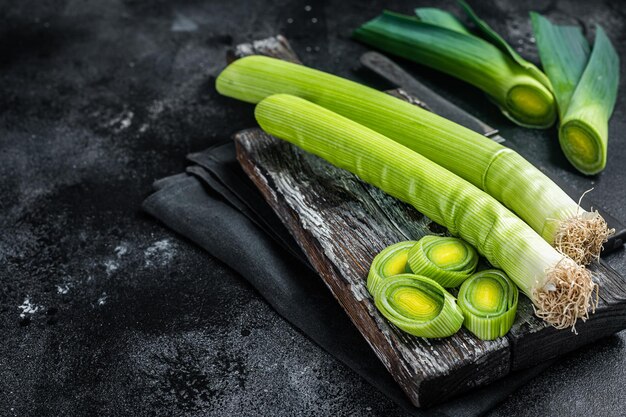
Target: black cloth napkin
[{"x": 215, "y": 205}]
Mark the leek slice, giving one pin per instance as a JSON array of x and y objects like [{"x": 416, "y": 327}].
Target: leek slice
[
  {"x": 447, "y": 260},
  {"x": 441, "y": 18},
  {"x": 390, "y": 261},
  {"x": 560, "y": 289},
  {"x": 418, "y": 306},
  {"x": 488, "y": 300},
  {"x": 488, "y": 165},
  {"x": 518, "y": 90}
]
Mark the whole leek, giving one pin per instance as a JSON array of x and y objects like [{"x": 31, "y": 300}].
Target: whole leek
[
  {"x": 585, "y": 88},
  {"x": 522, "y": 94},
  {"x": 390, "y": 261},
  {"x": 499, "y": 171},
  {"x": 560, "y": 289},
  {"x": 447, "y": 260},
  {"x": 419, "y": 306},
  {"x": 488, "y": 300}
]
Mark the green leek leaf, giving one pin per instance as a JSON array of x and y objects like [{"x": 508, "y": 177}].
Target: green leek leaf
[{"x": 441, "y": 18}]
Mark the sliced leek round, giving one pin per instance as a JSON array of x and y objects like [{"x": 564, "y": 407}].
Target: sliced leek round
[
  {"x": 447, "y": 260},
  {"x": 488, "y": 300},
  {"x": 390, "y": 261},
  {"x": 419, "y": 306}
]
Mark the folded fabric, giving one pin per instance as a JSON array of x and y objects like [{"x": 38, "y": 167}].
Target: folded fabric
[{"x": 216, "y": 206}]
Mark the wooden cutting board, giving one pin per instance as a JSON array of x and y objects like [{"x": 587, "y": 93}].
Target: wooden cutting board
[{"x": 341, "y": 223}]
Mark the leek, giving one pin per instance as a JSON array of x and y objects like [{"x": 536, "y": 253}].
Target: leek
[
  {"x": 447, "y": 260},
  {"x": 560, "y": 289},
  {"x": 490, "y": 166},
  {"x": 522, "y": 94},
  {"x": 586, "y": 93},
  {"x": 390, "y": 261},
  {"x": 419, "y": 306},
  {"x": 441, "y": 18},
  {"x": 488, "y": 300}
]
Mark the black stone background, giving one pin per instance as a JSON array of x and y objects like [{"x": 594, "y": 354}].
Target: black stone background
[{"x": 105, "y": 312}]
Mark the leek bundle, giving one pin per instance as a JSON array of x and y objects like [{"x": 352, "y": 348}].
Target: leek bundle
[
  {"x": 488, "y": 300},
  {"x": 447, "y": 260},
  {"x": 560, "y": 289},
  {"x": 521, "y": 91},
  {"x": 419, "y": 306},
  {"x": 585, "y": 87},
  {"x": 390, "y": 261},
  {"x": 497, "y": 170}
]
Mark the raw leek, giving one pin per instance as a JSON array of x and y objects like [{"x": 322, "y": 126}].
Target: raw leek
[
  {"x": 560, "y": 289},
  {"x": 488, "y": 300},
  {"x": 521, "y": 93},
  {"x": 390, "y": 261},
  {"x": 586, "y": 92},
  {"x": 447, "y": 260},
  {"x": 499, "y": 171},
  {"x": 419, "y": 306}
]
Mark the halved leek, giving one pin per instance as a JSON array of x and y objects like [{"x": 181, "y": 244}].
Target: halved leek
[
  {"x": 488, "y": 165},
  {"x": 522, "y": 94},
  {"x": 419, "y": 306},
  {"x": 585, "y": 88},
  {"x": 390, "y": 261},
  {"x": 560, "y": 289},
  {"x": 447, "y": 260},
  {"x": 488, "y": 300}
]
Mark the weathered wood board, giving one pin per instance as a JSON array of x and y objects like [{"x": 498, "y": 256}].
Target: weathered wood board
[{"x": 341, "y": 223}]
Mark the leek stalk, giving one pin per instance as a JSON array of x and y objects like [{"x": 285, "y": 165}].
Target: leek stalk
[
  {"x": 419, "y": 306},
  {"x": 447, "y": 260},
  {"x": 560, "y": 289},
  {"x": 499, "y": 171},
  {"x": 390, "y": 261},
  {"x": 521, "y": 91},
  {"x": 488, "y": 300},
  {"x": 585, "y": 88}
]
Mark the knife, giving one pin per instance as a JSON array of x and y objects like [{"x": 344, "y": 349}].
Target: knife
[{"x": 396, "y": 75}]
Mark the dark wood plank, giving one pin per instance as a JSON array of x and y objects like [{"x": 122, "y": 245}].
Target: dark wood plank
[{"x": 341, "y": 223}]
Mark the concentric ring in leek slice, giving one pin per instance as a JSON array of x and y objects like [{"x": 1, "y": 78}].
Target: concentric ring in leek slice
[
  {"x": 418, "y": 305},
  {"x": 488, "y": 300},
  {"x": 390, "y": 261},
  {"x": 447, "y": 260}
]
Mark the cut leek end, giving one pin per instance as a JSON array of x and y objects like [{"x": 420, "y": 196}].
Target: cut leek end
[
  {"x": 581, "y": 236},
  {"x": 488, "y": 300},
  {"x": 447, "y": 260},
  {"x": 531, "y": 105},
  {"x": 583, "y": 147},
  {"x": 389, "y": 262},
  {"x": 418, "y": 306},
  {"x": 566, "y": 296}
]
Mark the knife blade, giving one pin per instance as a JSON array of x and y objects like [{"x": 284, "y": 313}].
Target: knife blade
[{"x": 396, "y": 75}]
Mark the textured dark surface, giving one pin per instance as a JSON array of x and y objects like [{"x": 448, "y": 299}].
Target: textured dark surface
[{"x": 120, "y": 316}]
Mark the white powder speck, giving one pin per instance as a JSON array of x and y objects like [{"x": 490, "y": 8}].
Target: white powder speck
[
  {"x": 28, "y": 308},
  {"x": 121, "y": 250},
  {"x": 159, "y": 253},
  {"x": 290, "y": 20},
  {"x": 103, "y": 299},
  {"x": 111, "y": 266},
  {"x": 307, "y": 8},
  {"x": 63, "y": 288},
  {"x": 314, "y": 20}
]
